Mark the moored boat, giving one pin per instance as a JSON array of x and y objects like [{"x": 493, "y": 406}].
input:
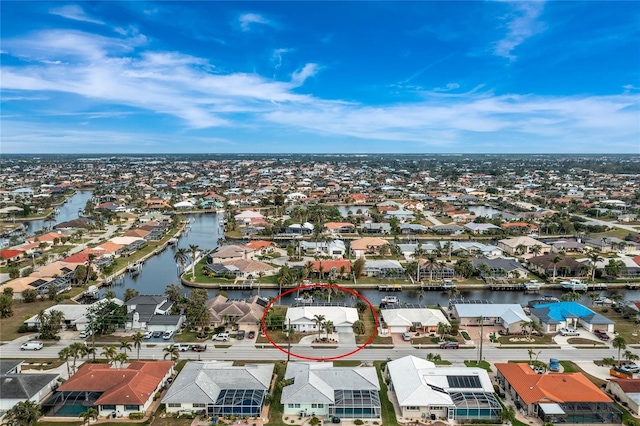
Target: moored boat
[{"x": 574, "y": 284}]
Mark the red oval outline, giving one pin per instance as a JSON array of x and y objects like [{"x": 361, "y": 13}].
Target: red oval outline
[{"x": 354, "y": 292}]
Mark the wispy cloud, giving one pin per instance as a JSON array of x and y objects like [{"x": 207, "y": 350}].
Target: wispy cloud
[
  {"x": 248, "y": 19},
  {"x": 75, "y": 12},
  {"x": 522, "y": 23}
]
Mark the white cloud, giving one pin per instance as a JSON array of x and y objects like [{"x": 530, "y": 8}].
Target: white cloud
[
  {"x": 522, "y": 24},
  {"x": 300, "y": 76},
  {"x": 74, "y": 12},
  {"x": 447, "y": 88},
  {"x": 247, "y": 19}
]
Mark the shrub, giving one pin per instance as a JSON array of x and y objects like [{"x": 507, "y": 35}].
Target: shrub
[
  {"x": 136, "y": 416},
  {"x": 605, "y": 310},
  {"x": 358, "y": 422},
  {"x": 24, "y": 328}
]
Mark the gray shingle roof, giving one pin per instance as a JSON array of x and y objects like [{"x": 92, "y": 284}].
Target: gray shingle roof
[{"x": 23, "y": 386}]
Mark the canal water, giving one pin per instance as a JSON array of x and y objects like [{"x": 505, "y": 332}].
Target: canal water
[
  {"x": 205, "y": 230},
  {"x": 68, "y": 211}
]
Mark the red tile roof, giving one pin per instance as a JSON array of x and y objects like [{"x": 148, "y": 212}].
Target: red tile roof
[
  {"x": 628, "y": 385},
  {"x": 77, "y": 258},
  {"x": 133, "y": 385},
  {"x": 328, "y": 264},
  {"x": 10, "y": 253},
  {"x": 555, "y": 387}
]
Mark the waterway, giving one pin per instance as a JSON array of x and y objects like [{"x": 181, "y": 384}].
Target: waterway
[{"x": 205, "y": 230}]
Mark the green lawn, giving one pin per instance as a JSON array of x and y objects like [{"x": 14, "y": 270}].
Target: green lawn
[
  {"x": 624, "y": 327},
  {"x": 483, "y": 364},
  {"x": 388, "y": 412},
  {"x": 23, "y": 311},
  {"x": 537, "y": 340}
]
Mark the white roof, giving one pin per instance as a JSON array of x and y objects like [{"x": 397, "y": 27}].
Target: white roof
[
  {"x": 409, "y": 316},
  {"x": 183, "y": 204},
  {"x": 414, "y": 380},
  {"x": 509, "y": 312},
  {"x": 339, "y": 315},
  {"x": 125, "y": 241}
]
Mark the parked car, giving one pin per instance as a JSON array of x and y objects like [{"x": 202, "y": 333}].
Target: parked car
[
  {"x": 240, "y": 335},
  {"x": 406, "y": 336},
  {"x": 147, "y": 335},
  {"x": 85, "y": 333},
  {"x": 31, "y": 346},
  {"x": 220, "y": 337},
  {"x": 569, "y": 332},
  {"x": 157, "y": 334},
  {"x": 449, "y": 345},
  {"x": 167, "y": 335},
  {"x": 199, "y": 348},
  {"x": 631, "y": 367},
  {"x": 251, "y": 334},
  {"x": 554, "y": 364},
  {"x": 601, "y": 335}
]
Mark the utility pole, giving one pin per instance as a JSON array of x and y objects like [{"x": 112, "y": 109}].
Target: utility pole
[
  {"x": 289, "y": 341},
  {"x": 481, "y": 339}
]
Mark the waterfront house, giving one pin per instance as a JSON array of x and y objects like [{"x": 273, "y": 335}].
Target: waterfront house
[
  {"x": 322, "y": 390},
  {"x": 423, "y": 320},
  {"x": 367, "y": 245},
  {"x": 510, "y": 316},
  {"x": 523, "y": 246},
  {"x": 302, "y": 318},
  {"x": 240, "y": 314},
  {"x": 218, "y": 388},
  {"x": 499, "y": 268},
  {"x": 557, "y": 315}
]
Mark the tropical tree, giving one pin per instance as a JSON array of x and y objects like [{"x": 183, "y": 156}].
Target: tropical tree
[
  {"x": 431, "y": 264},
  {"x": 508, "y": 413},
  {"x": 630, "y": 356},
  {"x": 520, "y": 249},
  {"x": 594, "y": 296},
  {"x": 77, "y": 349},
  {"x": 464, "y": 268},
  {"x": 571, "y": 296},
  {"x": 125, "y": 346},
  {"x": 6, "y": 306},
  {"x": 536, "y": 249},
  {"x": 594, "y": 258},
  {"x": 328, "y": 326},
  {"x": 24, "y": 413},
  {"x": 443, "y": 329},
  {"x": 357, "y": 269},
  {"x": 171, "y": 351},
  {"x": 137, "y": 342},
  {"x": 109, "y": 352},
  {"x": 87, "y": 416},
  {"x": 130, "y": 293},
  {"x": 193, "y": 249},
  {"x": 319, "y": 321},
  {"x": 620, "y": 344},
  {"x": 358, "y": 327},
  {"x": 555, "y": 260},
  {"x": 122, "y": 358},
  {"x": 181, "y": 256},
  {"x": 63, "y": 355}
]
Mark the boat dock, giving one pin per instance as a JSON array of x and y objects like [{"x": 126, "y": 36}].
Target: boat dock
[
  {"x": 389, "y": 287},
  {"x": 506, "y": 286}
]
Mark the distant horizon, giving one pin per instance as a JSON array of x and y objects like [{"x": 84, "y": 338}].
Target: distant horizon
[
  {"x": 433, "y": 77},
  {"x": 421, "y": 154}
]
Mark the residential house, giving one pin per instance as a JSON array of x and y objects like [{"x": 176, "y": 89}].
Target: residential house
[
  {"x": 523, "y": 246},
  {"x": 75, "y": 316},
  {"x": 447, "y": 229},
  {"x": 302, "y": 318},
  {"x": 565, "y": 267},
  {"x": 231, "y": 252},
  {"x": 341, "y": 227},
  {"x": 519, "y": 227},
  {"x": 367, "y": 245},
  {"x": 499, "y": 268},
  {"x": 18, "y": 387},
  {"x": 331, "y": 267},
  {"x": 375, "y": 228},
  {"x": 454, "y": 393},
  {"x": 248, "y": 216},
  {"x": 412, "y": 229},
  {"x": 481, "y": 228},
  {"x": 556, "y": 397},
  {"x": 423, "y": 320},
  {"x": 220, "y": 389},
  {"x": 152, "y": 313},
  {"x": 510, "y": 316},
  {"x": 109, "y": 390},
  {"x": 130, "y": 244},
  {"x": 383, "y": 268},
  {"x": 11, "y": 255},
  {"x": 240, "y": 314},
  {"x": 557, "y": 315},
  {"x": 333, "y": 248},
  {"x": 627, "y": 391},
  {"x": 322, "y": 390}
]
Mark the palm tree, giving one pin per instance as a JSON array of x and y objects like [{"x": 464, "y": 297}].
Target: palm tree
[
  {"x": 76, "y": 349},
  {"x": 24, "y": 413},
  {"x": 594, "y": 258},
  {"x": 520, "y": 249},
  {"x": 319, "y": 321},
  {"x": 630, "y": 356},
  {"x": 619, "y": 343},
  {"x": 594, "y": 296},
  {"x": 193, "y": 248},
  {"x": 121, "y": 358},
  {"x": 181, "y": 256},
  {"x": 109, "y": 352},
  {"x": 87, "y": 416},
  {"x": 358, "y": 327},
  {"x": 171, "y": 351},
  {"x": 328, "y": 326},
  {"x": 137, "y": 342},
  {"x": 64, "y": 355},
  {"x": 536, "y": 249},
  {"x": 90, "y": 260},
  {"x": 555, "y": 261},
  {"x": 125, "y": 346},
  {"x": 431, "y": 264}
]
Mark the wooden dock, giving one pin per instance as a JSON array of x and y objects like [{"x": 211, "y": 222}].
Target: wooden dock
[
  {"x": 506, "y": 287},
  {"x": 389, "y": 287}
]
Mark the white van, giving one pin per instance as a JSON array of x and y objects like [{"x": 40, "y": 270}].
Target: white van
[
  {"x": 85, "y": 333},
  {"x": 31, "y": 346}
]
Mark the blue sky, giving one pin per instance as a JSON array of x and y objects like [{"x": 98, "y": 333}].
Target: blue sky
[{"x": 320, "y": 77}]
